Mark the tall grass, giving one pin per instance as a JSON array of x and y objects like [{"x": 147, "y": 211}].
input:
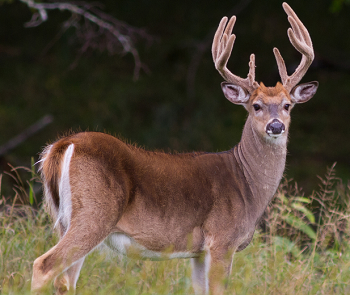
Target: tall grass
[{"x": 302, "y": 247}]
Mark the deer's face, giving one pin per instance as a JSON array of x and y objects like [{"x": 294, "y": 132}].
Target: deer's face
[{"x": 269, "y": 107}]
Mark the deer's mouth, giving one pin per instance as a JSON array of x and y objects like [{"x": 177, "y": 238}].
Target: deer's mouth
[{"x": 271, "y": 134}]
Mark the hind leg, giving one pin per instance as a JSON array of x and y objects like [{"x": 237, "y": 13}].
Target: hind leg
[
  {"x": 60, "y": 258},
  {"x": 91, "y": 201},
  {"x": 66, "y": 282},
  {"x": 68, "y": 255}
]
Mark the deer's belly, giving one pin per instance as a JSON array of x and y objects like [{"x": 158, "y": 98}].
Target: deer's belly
[{"x": 127, "y": 246}]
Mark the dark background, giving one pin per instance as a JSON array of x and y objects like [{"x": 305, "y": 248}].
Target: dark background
[{"x": 177, "y": 104}]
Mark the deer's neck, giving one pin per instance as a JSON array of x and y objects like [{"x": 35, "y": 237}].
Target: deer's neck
[{"x": 262, "y": 162}]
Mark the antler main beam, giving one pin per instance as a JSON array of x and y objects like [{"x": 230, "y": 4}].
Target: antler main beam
[
  {"x": 221, "y": 50},
  {"x": 300, "y": 39}
]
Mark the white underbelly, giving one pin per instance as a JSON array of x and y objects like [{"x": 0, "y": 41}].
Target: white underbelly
[{"x": 127, "y": 246}]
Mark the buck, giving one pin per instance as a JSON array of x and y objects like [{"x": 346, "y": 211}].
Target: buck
[{"x": 153, "y": 205}]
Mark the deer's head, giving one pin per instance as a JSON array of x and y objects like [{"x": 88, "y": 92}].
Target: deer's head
[{"x": 268, "y": 107}]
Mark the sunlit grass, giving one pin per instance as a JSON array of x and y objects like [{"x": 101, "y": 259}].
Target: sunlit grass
[{"x": 296, "y": 255}]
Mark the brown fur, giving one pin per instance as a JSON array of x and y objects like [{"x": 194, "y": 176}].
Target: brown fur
[
  {"x": 160, "y": 200},
  {"x": 194, "y": 202},
  {"x": 191, "y": 205},
  {"x": 268, "y": 92},
  {"x": 198, "y": 203}
]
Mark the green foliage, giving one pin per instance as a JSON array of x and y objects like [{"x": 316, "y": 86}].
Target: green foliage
[
  {"x": 337, "y": 5},
  {"x": 296, "y": 222},
  {"x": 288, "y": 208},
  {"x": 304, "y": 249},
  {"x": 286, "y": 246},
  {"x": 30, "y": 182}
]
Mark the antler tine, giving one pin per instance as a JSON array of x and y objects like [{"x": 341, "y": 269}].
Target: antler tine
[
  {"x": 221, "y": 50},
  {"x": 292, "y": 15},
  {"x": 300, "y": 39}
]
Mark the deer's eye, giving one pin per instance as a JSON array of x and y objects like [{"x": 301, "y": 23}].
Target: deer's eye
[
  {"x": 286, "y": 106},
  {"x": 256, "y": 107}
]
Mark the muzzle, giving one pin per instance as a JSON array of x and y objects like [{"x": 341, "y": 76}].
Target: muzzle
[{"x": 275, "y": 128}]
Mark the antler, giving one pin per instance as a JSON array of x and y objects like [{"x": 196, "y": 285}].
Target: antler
[
  {"x": 300, "y": 39},
  {"x": 221, "y": 51}
]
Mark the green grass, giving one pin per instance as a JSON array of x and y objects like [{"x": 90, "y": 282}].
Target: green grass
[{"x": 303, "y": 249}]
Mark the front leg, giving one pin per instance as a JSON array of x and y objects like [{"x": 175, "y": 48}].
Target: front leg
[
  {"x": 200, "y": 272},
  {"x": 210, "y": 270},
  {"x": 219, "y": 268}
]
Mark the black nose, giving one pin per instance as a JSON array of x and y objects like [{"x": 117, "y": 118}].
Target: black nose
[{"x": 275, "y": 127}]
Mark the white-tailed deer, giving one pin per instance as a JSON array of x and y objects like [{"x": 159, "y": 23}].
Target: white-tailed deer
[{"x": 99, "y": 189}]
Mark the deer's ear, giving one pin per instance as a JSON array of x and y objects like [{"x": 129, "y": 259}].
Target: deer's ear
[
  {"x": 303, "y": 92},
  {"x": 234, "y": 93}
]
